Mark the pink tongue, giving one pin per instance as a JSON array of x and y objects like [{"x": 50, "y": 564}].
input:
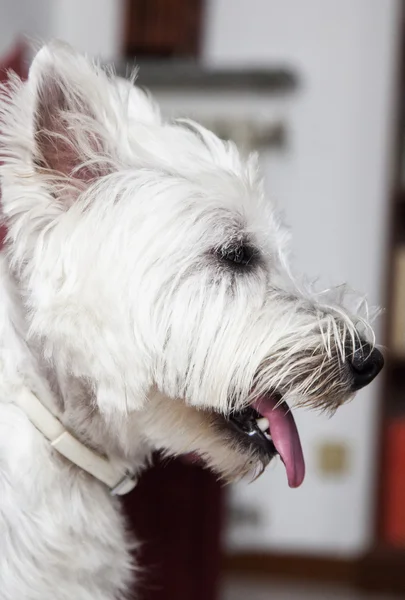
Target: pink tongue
[{"x": 285, "y": 437}]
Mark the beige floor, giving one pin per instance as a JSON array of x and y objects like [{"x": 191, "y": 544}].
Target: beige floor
[{"x": 243, "y": 590}]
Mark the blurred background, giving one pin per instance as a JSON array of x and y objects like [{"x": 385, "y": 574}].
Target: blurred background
[{"x": 317, "y": 87}]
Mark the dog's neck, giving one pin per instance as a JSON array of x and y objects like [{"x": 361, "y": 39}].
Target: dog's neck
[
  {"x": 71, "y": 399},
  {"x": 68, "y": 528}
]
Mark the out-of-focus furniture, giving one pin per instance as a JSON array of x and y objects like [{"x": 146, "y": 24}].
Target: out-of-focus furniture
[
  {"x": 384, "y": 567},
  {"x": 176, "y": 513}
]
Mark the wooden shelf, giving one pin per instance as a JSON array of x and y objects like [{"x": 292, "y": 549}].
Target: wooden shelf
[{"x": 191, "y": 76}]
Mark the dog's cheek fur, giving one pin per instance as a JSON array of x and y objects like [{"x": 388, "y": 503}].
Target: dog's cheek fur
[{"x": 180, "y": 429}]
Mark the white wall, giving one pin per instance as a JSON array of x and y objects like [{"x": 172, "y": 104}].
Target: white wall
[
  {"x": 19, "y": 17},
  {"x": 332, "y": 184},
  {"x": 92, "y": 26}
]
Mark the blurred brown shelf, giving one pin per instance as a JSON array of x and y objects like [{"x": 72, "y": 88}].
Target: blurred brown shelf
[
  {"x": 399, "y": 195},
  {"x": 397, "y": 360},
  {"x": 383, "y": 568}
]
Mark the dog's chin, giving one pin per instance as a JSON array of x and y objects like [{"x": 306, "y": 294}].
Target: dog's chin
[
  {"x": 263, "y": 430},
  {"x": 236, "y": 445}
]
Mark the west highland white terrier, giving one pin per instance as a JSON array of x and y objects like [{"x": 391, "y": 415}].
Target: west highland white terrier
[{"x": 147, "y": 304}]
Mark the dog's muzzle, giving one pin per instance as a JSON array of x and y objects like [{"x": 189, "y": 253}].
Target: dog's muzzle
[{"x": 269, "y": 425}]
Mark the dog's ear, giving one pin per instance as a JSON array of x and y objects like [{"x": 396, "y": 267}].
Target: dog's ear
[{"x": 70, "y": 136}]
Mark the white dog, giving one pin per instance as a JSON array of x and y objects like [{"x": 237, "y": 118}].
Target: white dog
[{"x": 146, "y": 304}]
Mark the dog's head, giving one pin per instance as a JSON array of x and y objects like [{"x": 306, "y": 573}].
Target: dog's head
[{"x": 153, "y": 269}]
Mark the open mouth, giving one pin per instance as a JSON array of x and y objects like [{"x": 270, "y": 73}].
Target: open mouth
[{"x": 268, "y": 425}]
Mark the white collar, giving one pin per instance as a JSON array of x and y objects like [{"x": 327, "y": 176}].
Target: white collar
[{"x": 71, "y": 448}]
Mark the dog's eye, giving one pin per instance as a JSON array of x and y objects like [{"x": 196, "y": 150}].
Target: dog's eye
[{"x": 243, "y": 254}]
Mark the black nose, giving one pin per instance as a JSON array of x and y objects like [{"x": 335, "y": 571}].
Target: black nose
[{"x": 365, "y": 365}]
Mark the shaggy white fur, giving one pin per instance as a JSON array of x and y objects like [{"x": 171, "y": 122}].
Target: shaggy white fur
[{"x": 145, "y": 298}]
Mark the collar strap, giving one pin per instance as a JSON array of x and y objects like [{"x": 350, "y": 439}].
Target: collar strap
[{"x": 71, "y": 448}]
